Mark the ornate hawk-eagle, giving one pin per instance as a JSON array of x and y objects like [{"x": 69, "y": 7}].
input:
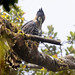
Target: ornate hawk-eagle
[{"x": 34, "y": 26}]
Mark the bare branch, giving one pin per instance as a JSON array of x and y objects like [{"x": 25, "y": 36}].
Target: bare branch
[{"x": 38, "y": 38}]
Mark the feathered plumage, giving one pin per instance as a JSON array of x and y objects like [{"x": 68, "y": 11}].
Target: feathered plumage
[{"x": 34, "y": 26}]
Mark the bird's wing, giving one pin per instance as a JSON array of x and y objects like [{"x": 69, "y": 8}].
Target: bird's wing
[{"x": 30, "y": 28}]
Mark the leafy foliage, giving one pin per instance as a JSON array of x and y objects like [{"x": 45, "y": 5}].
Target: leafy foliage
[
  {"x": 8, "y": 3},
  {"x": 15, "y": 17},
  {"x": 71, "y": 42},
  {"x": 50, "y": 34},
  {"x": 71, "y": 38},
  {"x": 50, "y": 49}
]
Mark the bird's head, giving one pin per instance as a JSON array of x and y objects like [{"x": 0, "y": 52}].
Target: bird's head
[{"x": 40, "y": 16}]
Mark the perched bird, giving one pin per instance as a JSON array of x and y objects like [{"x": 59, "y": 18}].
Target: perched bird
[{"x": 32, "y": 27}]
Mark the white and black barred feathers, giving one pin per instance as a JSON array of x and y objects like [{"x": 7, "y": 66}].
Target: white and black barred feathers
[{"x": 30, "y": 28}]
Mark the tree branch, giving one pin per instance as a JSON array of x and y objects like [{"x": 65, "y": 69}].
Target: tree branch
[
  {"x": 20, "y": 46},
  {"x": 35, "y": 57},
  {"x": 38, "y": 38}
]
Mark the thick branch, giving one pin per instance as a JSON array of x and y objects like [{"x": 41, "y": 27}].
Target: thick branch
[
  {"x": 38, "y": 38},
  {"x": 35, "y": 57}
]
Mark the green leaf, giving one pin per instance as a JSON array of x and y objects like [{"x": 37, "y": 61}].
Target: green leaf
[
  {"x": 71, "y": 33},
  {"x": 55, "y": 34},
  {"x": 66, "y": 52},
  {"x": 58, "y": 52},
  {"x": 68, "y": 38},
  {"x": 50, "y": 28},
  {"x": 16, "y": 1},
  {"x": 71, "y": 47}
]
